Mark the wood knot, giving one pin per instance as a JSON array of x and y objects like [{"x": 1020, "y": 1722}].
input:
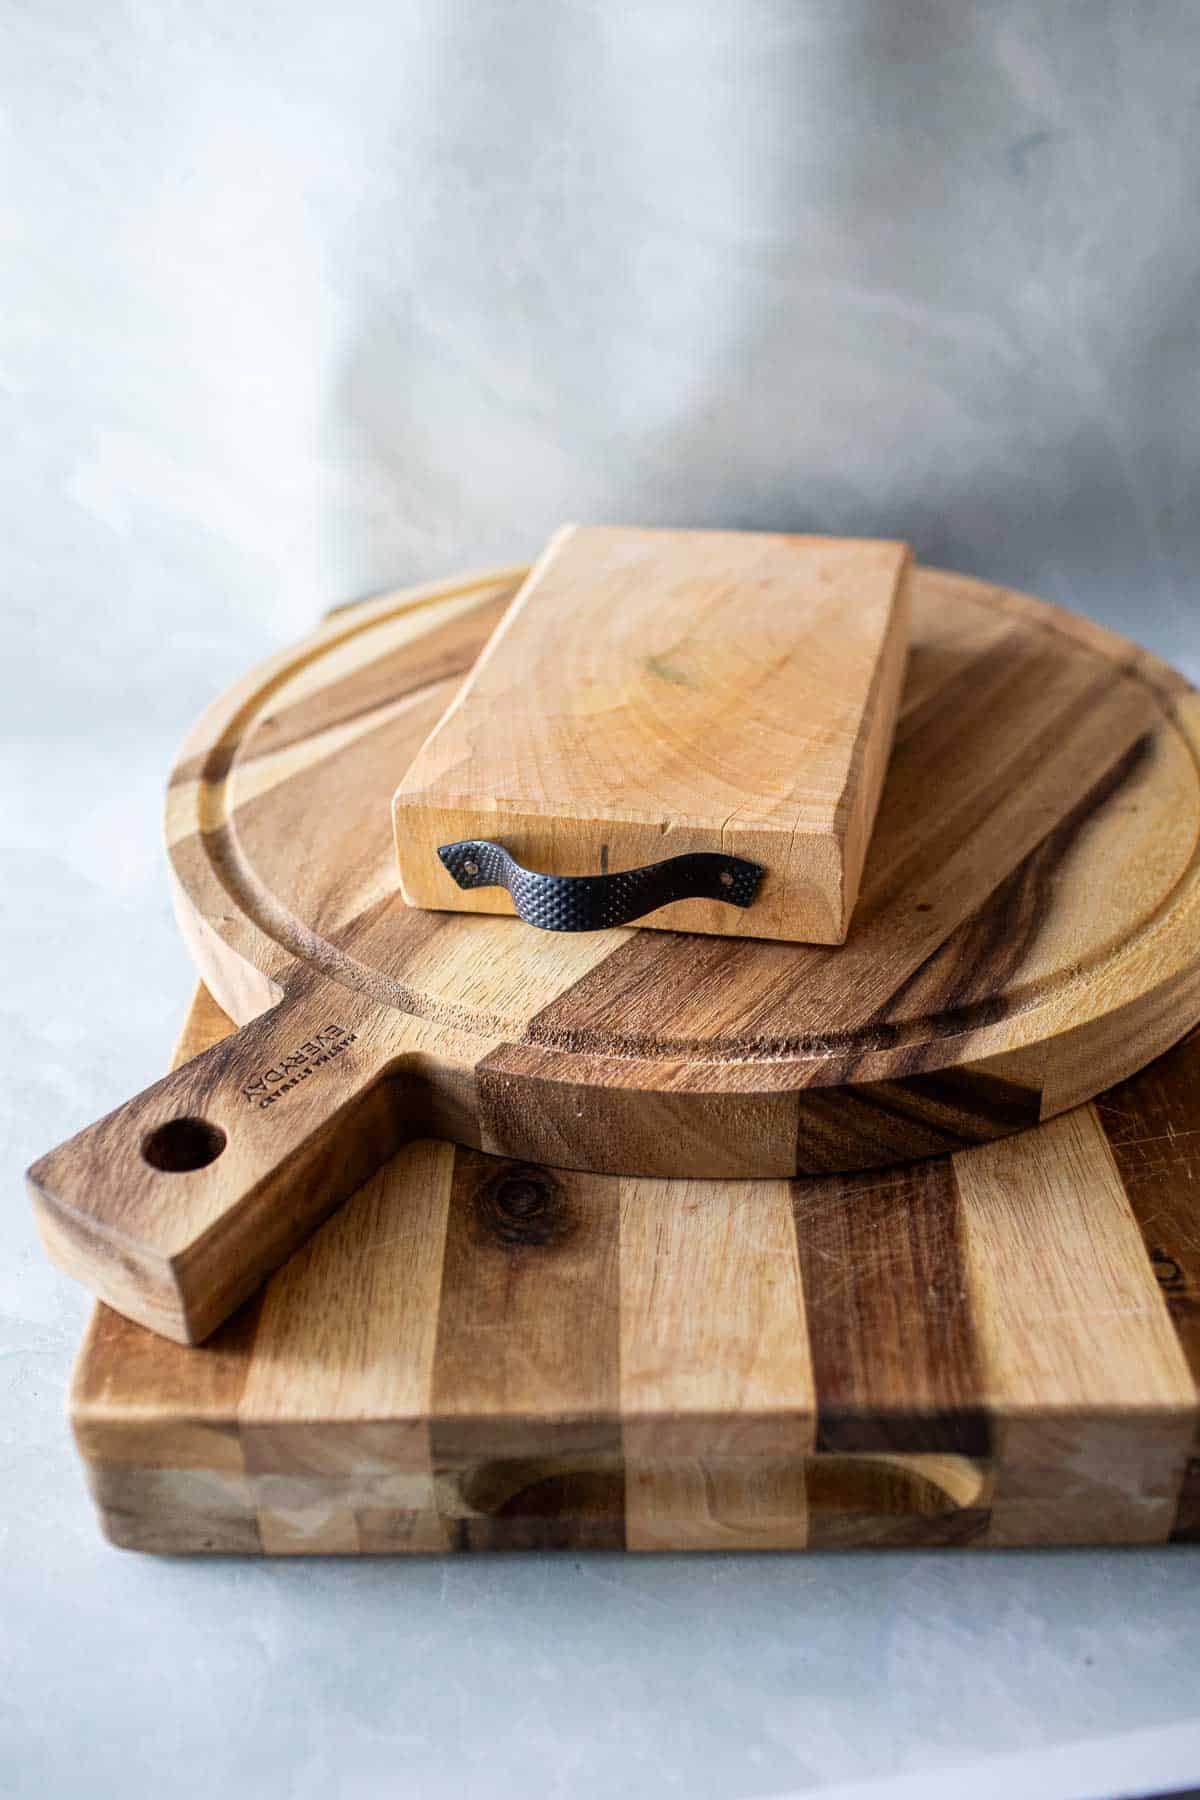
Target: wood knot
[{"x": 524, "y": 1207}]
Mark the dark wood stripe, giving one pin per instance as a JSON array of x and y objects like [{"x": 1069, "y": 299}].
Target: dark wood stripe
[
  {"x": 1070, "y": 628},
  {"x": 525, "y": 1433},
  {"x": 894, "y": 1355},
  {"x": 1018, "y": 769},
  {"x": 332, "y": 908},
  {"x": 866, "y": 1503},
  {"x": 445, "y": 652},
  {"x": 524, "y": 1504},
  {"x": 554, "y": 1109},
  {"x": 919, "y": 1116},
  {"x": 342, "y": 803},
  {"x": 969, "y": 982},
  {"x": 1187, "y": 1516}
]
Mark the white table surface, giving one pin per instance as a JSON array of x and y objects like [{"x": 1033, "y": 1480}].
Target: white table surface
[{"x": 301, "y": 300}]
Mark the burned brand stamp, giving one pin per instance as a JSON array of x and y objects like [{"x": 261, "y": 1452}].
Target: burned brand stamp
[{"x": 270, "y": 1085}]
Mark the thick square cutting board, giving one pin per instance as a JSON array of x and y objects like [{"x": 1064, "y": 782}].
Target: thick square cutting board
[
  {"x": 996, "y": 1348},
  {"x": 650, "y": 695}
]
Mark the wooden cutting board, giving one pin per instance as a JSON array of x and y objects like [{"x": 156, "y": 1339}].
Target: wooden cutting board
[
  {"x": 1028, "y": 932},
  {"x": 651, "y": 695},
  {"x": 998, "y": 1348}
]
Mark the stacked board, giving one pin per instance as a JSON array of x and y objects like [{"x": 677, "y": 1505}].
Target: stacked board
[
  {"x": 1027, "y": 935},
  {"x": 1000, "y": 1347}
]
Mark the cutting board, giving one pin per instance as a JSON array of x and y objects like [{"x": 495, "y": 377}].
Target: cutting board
[
  {"x": 724, "y": 696},
  {"x": 996, "y": 1348},
  {"x": 1028, "y": 932}
]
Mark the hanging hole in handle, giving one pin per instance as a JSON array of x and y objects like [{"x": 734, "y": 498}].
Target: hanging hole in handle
[{"x": 183, "y": 1144}]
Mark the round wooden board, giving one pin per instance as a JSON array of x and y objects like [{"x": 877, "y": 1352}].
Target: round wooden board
[
  {"x": 1027, "y": 934},
  {"x": 1029, "y": 909}
]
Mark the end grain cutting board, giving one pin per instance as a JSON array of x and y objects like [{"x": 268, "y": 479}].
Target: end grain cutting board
[
  {"x": 1028, "y": 932},
  {"x": 996, "y": 1348},
  {"x": 659, "y": 694}
]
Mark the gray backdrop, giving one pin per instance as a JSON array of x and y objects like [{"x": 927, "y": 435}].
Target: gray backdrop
[{"x": 300, "y": 301}]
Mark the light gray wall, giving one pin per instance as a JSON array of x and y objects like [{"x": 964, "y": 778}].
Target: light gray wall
[
  {"x": 304, "y": 300},
  {"x": 301, "y": 300}
]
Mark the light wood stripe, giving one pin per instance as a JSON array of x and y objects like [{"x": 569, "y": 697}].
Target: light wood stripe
[
  {"x": 503, "y": 975},
  {"x": 1081, "y": 1367},
  {"x": 340, "y": 1378},
  {"x": 1152, "y": 1130},
  {"x": 717, "y": 1398}
]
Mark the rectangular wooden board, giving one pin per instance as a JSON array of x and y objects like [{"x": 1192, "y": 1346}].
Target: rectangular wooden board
[
  {"x": 655, "y": 693},
  {"x": 1001, "y": 1348}
]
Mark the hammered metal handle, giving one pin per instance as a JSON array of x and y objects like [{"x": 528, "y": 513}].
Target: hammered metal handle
[{"x": 595, "y": 902}]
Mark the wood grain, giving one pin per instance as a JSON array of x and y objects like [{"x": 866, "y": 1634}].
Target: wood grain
[
  {"x": 655, "y": 693},
  {"x": 1153, "y": 1132},
  {"x": 717, "y": 1400},
  {"x": 989, "y": 1350},
  {"x": 1079, "y": 1355},
  {"x": 527, "y": 1330},
  {"x": 1027, "y": 933},
  {"x": 885, "y": 1281}
]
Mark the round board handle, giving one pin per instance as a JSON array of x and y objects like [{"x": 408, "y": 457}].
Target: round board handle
[
  {"x": 177, "y": 1205},
  {"x": 599, "y": 902}
]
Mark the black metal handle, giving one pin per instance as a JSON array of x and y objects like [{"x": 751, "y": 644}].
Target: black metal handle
[{"x": 594, "y": 902}]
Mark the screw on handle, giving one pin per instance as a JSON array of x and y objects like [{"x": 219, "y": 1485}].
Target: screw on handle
[{"x": 596, "y": 902}]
